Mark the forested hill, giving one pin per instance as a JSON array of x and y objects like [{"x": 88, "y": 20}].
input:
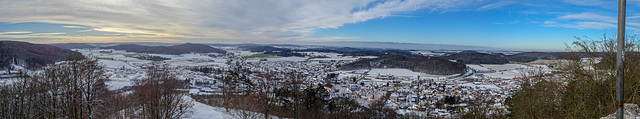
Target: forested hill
[
  {"x": 429, "y": 65},
  {"x": 173, "y": 50},
  {"x": 31, "y": 55},
  {"x": 473, "y": 57}
]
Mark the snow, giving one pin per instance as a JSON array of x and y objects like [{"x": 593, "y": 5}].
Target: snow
[
  {"x": 505, "y": 74},
  {"x": 503, "y": 66},
  {"x": 203, "y": 111},
  {"x": 478, "y": 68},
  {"x": 427, "y": 53},
  {"x": 9, "y": 81},
  {"x": 395, "y": 72},
  {"x": 221, "y": 63},
  {"x": 118, "y": 84},
  {"x": 182, "y": 56},
  {"x": 297, "y": 59},
  {"x": 510, "y": 70},
  {"x": 116, "y": 64},
  {"x": 246, "y": 53}
]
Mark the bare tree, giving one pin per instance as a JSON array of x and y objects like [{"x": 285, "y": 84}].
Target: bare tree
[
  {"x": 230, "y": 81},
  {"x": 588, "y": 80},
  {"x": 244, "y": 107},
  {"x": 264, "y": 95},
  {"x": 158, "y": 95}
]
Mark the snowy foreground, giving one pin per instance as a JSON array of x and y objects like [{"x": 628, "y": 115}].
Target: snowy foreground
[{"x": 204, "y": 111}]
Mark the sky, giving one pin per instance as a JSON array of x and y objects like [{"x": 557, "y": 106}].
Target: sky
[{"x": 505, "y": 24}]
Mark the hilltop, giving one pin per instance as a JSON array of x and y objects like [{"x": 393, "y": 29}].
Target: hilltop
[
  {"x": 31, "y": 55},
  {"x": 429, "y": 65}
]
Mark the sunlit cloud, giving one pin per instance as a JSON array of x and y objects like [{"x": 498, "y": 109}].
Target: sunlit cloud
[
  {"x": 75, "y": 27},
  {"x": 16, "y": 32},
  {"x": 46, "y": 34},
  {"x": 86, "y": 30}
]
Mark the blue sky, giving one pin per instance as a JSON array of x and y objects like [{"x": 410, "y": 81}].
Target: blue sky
[{"x": 517, "y": 25}]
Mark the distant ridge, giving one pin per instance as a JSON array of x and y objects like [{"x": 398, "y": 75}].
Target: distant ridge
[
  {"x": 173, "y": 50},
  {"x": 396, "y": 45},
  {"x": 429, "y": 65},
  {"x": 31, "y": 55},
  {"x": 73, "y": 45},
  {"x": 532, "y": 56},
  {"x": 474, "y": 57}
]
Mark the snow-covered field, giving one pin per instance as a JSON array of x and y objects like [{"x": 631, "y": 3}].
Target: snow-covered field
[
  {"x": 504, "y": 74},
  {"x": 427, "y": 53},
  {"x": 116, "y": 64},
  {"x": 394, "y": 71},
  {"x": 296, "y": 59},
  {"x": 499, "y": 67},
  {"x": 478, "y": 68},
  {"x": 509, "y": 70},
  {"x": 118, "y": 84}
]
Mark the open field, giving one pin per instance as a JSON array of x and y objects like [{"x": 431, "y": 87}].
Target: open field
[{"x": 258, "y": 56}]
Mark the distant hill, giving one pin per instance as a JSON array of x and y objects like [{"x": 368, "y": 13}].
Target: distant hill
[
  {"x": 473, "y": 57},
  {"x": 173, "y": 50},
  {"x": 261, "y": 48},
  {"x": 396, "y": 45},
  {"x": 532, "y": 56},
  {"x": 73, "y": 45},
  {"x": 348, "y": 51},
  {"x": 32, "y": 55},
  {"x": 430, "y": 65}
]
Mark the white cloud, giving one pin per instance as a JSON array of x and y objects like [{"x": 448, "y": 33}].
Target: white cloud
[
  {"x": 587, "y": 2},
  {"x": 550, "y": 22},
  {"x": 85, "y": 30},
  {"x": 46, "y": 34},
  {"x": 581, "y": 25},
  {"x": 496, "y": 5},
  {"x": 589, "y": 16},
  {"x": 234, "y": 20},
  {"x": 75, "y": 27},
  {"x": 16, "y": 32},
  {"x": 591, "y": 21}
]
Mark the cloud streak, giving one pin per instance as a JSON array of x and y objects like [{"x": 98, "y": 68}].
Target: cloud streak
[
  {"x": 496, "y": 5},
  {"x": 16, "y": 32},
  {"x": 589, "y": 21}
]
